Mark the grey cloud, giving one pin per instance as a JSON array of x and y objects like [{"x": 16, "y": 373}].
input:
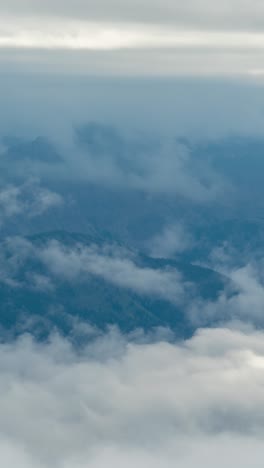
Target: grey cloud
[
  {"x": 243, "y": 297},
  {"x": 216, "y": 63},
  {"x": 9, "y": 201},
  {"x": 148, "y": 405},
  {"x": 77, "y": 262},
  {"x": 103, "y": 154},
  {"x": 195, "y": 13},
  {"x": 121, "y": 271},
  {"x": 199, "y": 38},
  {"x": 13, "y": 255},
  {"x": 172, "y": 240},
  {"x": 150, "y": 165},
  {"x": 29, "y": 199}
]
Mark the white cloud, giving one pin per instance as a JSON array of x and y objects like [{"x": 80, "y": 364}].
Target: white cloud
[
  {"x": 195, "y": 403},
  {"x": 240, "y": 300},
  {"x": 76, "y": 263},
  {"x": 114, "y": 266},
  {"x": 243, "y": 297},
  {"x": 81, "y": 35}
]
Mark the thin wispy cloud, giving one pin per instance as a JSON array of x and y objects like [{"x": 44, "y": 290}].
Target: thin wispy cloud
[{"x": 29, "y": 200}]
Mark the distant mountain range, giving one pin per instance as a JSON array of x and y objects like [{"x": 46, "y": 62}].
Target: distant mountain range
[
  {"x": 92, "y": 299},
  {"x": 129, "y": 217}
]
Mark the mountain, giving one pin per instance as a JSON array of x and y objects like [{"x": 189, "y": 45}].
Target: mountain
[{"x": 31, "y": 296}]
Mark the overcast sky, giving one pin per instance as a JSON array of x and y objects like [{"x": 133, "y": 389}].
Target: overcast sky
[
  {"x": 227, "y": 14},
  {"x": 197, "y": 37}
]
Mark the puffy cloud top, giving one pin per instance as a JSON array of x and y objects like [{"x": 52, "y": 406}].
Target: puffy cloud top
[{"x": 122, "y": 403}]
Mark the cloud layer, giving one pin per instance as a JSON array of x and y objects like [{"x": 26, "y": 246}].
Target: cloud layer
[
  {"x": 99, "y": 153},
  {"x": 226, "y": 15},
  {"x": 202, "y": 38},
  {"x": 125, "y": 403},
  {"x": 72, "y": 35}
]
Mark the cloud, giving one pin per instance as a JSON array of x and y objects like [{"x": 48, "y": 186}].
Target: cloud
[
  {"x": 121, "y": 403},
  {"x": 195, "y": 13},
  {"x": 76, "y": 263},
  {"x": 116, "y": 269},
  {"x": 240, "y": 300},
  {"x": 29, "y": 199},
  {"x": 153, "y": 165},
  {"x": 107, "y": 155},
  {"x": 243, "y": 297},
  {"x": 196, "y": 39},
  {"x": 172, "y": 240},
  {"x": 73, "y": 35}
]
